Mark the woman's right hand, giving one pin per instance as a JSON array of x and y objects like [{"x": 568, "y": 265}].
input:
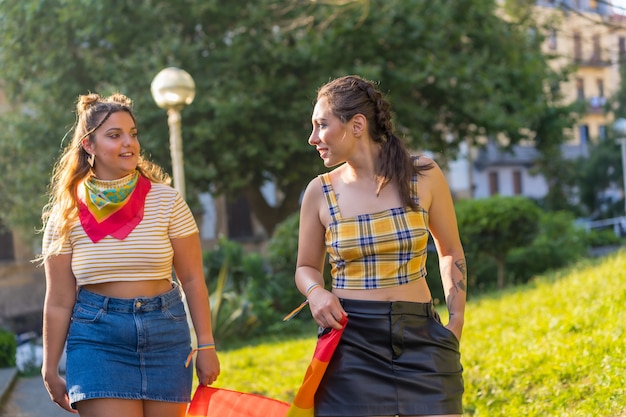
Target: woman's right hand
[
  {"x": 326, "y": 309},
  {"x": 58, "y": 392}
]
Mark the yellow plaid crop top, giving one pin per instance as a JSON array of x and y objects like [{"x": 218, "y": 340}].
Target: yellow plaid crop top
[{"x": 376, "y": 250}]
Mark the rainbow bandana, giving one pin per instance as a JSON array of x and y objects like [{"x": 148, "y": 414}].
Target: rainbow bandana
[{"x": 112, "y": 207}]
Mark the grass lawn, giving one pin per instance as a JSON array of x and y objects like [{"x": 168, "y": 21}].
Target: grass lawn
[{"x": 555, "y": 347}]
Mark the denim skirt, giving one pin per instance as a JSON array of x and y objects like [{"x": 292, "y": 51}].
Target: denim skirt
[
  {"x": 129, "y": 348},
  {"x": 394, "y": 358}
]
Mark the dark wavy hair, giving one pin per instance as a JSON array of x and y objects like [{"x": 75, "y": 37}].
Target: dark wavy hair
[{"x": 351, "y": 95}]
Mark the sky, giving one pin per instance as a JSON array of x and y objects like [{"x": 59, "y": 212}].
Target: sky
[{"x": 619, "y": 6}]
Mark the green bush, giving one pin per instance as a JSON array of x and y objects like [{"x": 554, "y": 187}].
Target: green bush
[
  {"x": 282, "y": 258},
  {"x": 8, "y": 347},
  {"x": 559, "y": 242},
  {"x": 495, "y": 226},
  {"x": 602, "y": 237},
  {"x": 229, "y": 275}
]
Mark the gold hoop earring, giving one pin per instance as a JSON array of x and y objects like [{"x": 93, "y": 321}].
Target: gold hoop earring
[{"x": 91, "y": 159}]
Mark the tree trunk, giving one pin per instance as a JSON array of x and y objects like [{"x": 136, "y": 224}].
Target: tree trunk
[
  {"x": 269, "y": 216},
  {"x": 500, "y": 264}
]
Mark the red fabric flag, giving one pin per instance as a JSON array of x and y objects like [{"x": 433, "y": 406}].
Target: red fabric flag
[
  {"x": 303, "y": 403},
  {"x": 219, "y": 402}
]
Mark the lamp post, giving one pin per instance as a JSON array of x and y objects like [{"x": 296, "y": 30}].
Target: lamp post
[
  {"x": 173, "y": 89},
  {"x": 620, "y": 130}
]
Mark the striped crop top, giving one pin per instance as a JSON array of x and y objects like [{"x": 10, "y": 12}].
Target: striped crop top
[
  {"x": 377, "y": 250},
  {"x": 145, "y": 254}
]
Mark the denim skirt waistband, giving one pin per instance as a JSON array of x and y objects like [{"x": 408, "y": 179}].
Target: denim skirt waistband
[{"x": 130, "y": 305}]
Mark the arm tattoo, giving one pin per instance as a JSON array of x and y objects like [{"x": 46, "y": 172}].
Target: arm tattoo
[{"x": 458, "y": 285}]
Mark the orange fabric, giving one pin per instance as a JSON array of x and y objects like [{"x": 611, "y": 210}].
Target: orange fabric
[
  {"x": 303, "y": 403},
  {"x": 219, "y": 402}
]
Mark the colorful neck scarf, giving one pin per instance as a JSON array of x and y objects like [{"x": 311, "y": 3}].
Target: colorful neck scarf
[{"x": 112, "y": 207}]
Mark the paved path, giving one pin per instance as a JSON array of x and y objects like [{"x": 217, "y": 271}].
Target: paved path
[{"x": 29, "y": 398}]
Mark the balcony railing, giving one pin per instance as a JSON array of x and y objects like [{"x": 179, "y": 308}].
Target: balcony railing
[
  {"x": 596, "y": 104},
  {"x": 593, "y": 62}
]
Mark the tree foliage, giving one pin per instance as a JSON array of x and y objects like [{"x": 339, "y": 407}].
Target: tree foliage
[
  {"x": 598, "y": 173},
  {"x": 452, "y": 70},
  {"x": 495, "y": 226}
]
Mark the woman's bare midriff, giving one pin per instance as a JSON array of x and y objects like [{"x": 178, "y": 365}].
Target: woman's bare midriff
[
  {"x": 416, "y": 291},
  {"x": 130, "y": 289}
]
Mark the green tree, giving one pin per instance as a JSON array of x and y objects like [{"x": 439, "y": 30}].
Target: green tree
[
  {"x": 495, "y": 226},
  {"x": 601, "y": 171},
  {"x": 453, "y": 71}
]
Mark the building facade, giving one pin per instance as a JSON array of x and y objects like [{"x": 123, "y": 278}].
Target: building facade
[{"x": 591, "y": 36}]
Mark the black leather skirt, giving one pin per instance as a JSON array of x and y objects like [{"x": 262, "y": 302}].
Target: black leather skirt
[{"x": 394, "y": 358}]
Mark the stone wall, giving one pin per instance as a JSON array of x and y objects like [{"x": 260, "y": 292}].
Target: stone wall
[{"x": 22, "y": 291}]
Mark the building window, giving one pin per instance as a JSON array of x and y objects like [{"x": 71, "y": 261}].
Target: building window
[
  {"x": 578, "y": 49},
  {"x": 493, "y": 183},
  {"x": 602, "y": 132},
  {"x": 552, "y": 40},
  {"x": 517, "y": 182},
  {"x": 622, "y": 48},
  {"x": 597, "y": 102},
  {"x": 583, "y": 131},
  {"x": 6, "y": 244},
  {"x": 597, "y": 50},
  {"x": 600, "y": 84},
  {"x": 580, "y": 89},
  {"x": 239, "y": 219}
]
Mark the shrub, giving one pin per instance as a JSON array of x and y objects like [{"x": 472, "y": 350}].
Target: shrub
[
  {"x": 602, "y": 237},
  {"x": 282, "y": 258},
  {"x": 559, "y": 242},
  {"x": 229, "y": 274},
  {"x": 496, "y": 225},
  {"x": 8, "y": 347}
]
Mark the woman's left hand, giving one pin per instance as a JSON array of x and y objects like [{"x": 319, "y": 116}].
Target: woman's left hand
[
  {"x": 456, "y": 327},
  {"x": 207, "y": 366}
]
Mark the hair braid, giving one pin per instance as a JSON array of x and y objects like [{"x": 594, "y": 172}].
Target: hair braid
[{"x": 351, "y": 95}]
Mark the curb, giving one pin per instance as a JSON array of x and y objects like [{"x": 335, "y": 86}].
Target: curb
[{"x": 8, "y": 377}]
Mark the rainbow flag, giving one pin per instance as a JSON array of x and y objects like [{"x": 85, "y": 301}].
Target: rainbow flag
[
  {"x": 219, "y": 402},
  {"x": 303, "y": 403}
]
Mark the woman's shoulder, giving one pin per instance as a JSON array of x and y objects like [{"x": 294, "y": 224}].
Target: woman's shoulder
[
  {"x": 423, "y": 160},
  {"x": 429, "y": 172},
  {"x": 163, "y": 191}
]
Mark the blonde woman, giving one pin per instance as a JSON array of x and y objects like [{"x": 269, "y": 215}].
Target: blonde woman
[{"x": 113, "y": 231}]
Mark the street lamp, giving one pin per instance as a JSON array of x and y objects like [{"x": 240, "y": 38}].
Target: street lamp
[
  {"x": 173, "y": 89},
  {"x": 620, "y": 130}
]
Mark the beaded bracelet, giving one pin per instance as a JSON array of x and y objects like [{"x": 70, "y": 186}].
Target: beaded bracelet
[{"x": 206, "y": 346}]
